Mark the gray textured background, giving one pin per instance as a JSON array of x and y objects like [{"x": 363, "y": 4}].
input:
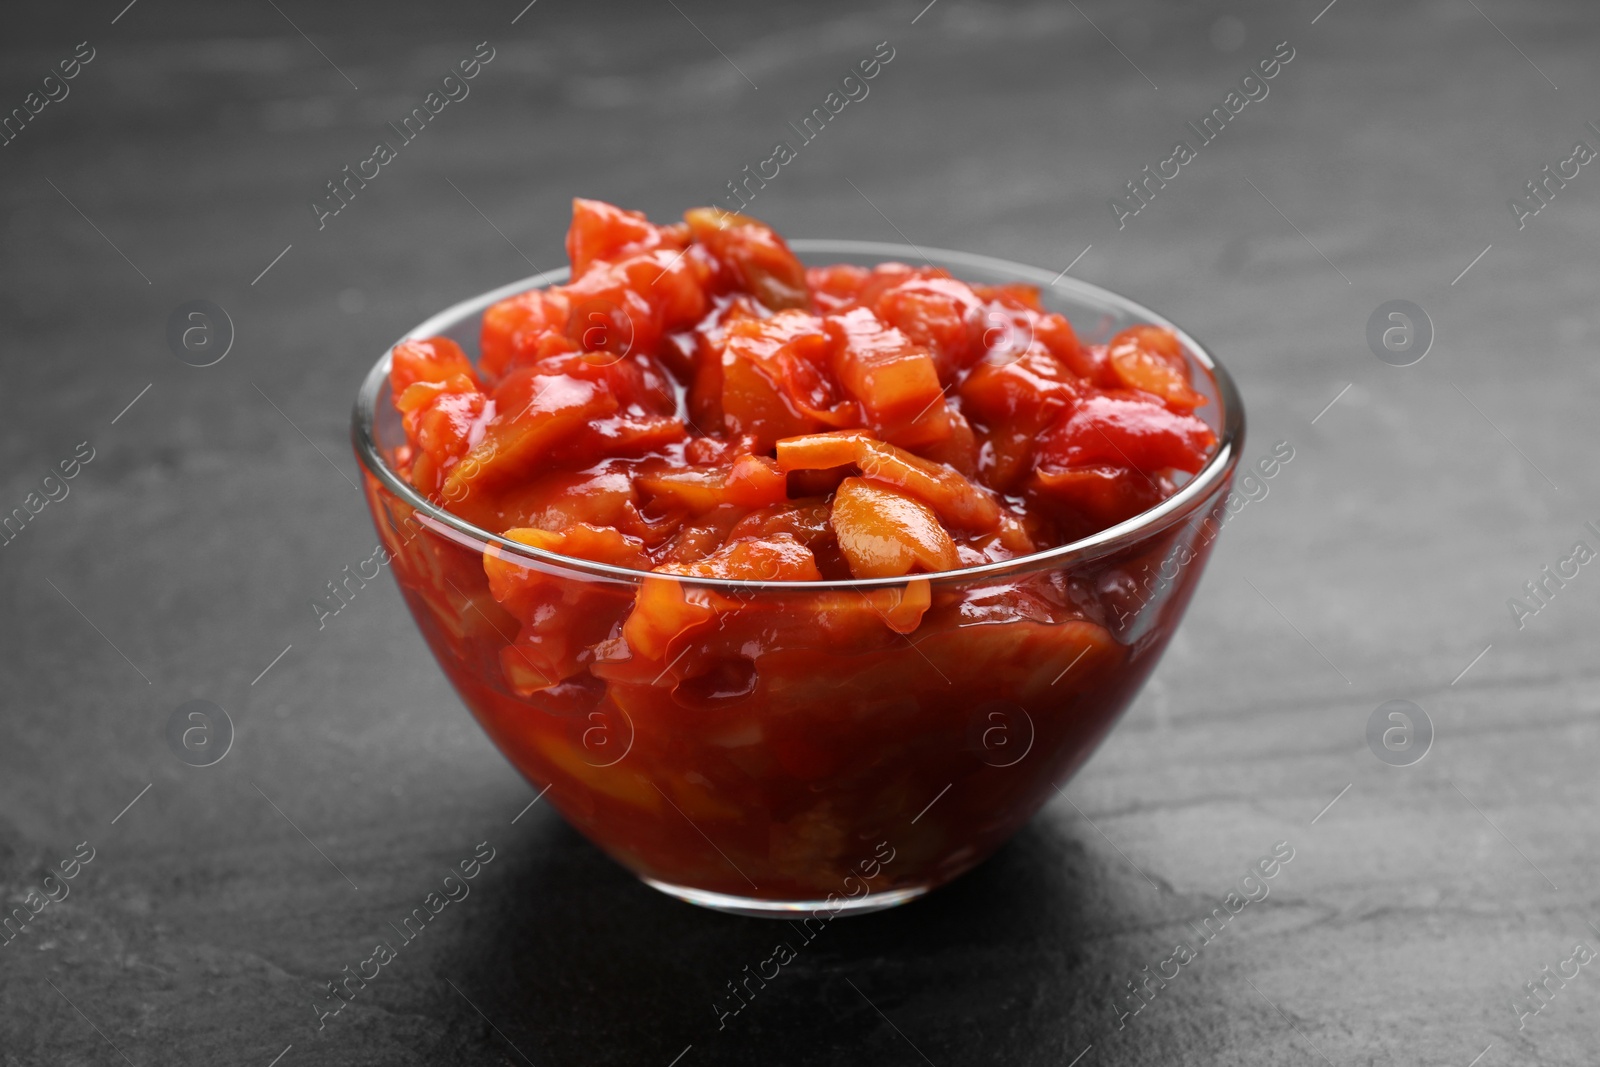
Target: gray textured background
[{"x": 1382, "y": 559}]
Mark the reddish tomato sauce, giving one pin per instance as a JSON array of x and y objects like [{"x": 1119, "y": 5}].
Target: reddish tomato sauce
[
  {"x": 695, "y": 389},
  {"x": 696, "y": 402}
]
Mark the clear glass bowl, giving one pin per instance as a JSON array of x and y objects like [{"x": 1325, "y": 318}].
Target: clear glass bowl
[{"x": 811, "y": 746}]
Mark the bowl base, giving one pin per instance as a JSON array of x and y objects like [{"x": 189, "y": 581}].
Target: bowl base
[{"x": 786, "y": 909}]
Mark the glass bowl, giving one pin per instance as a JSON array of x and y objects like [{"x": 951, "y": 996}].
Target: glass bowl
[{"x": 806, "y": 747}]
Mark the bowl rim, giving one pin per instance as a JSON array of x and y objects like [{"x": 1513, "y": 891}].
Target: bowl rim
[{"x": 1153, "y": 520}]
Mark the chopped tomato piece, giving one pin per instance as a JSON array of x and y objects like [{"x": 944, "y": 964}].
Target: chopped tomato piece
[
  {"x": 1007, "y": 452},
  {"x": 886, "y": 276},
  {"x": 836, "y": 288},
  {"x": 602, "y": 496},
  {"x": 434, "y": 359},
  {"x": 619, "y": 435},
  {"x": 1103, "y": 494},
  {"x": 600, "y": 231},
  {"x": 772, "y": 384},
  {"x": 444, "y": 419},
  {"x": 1012, "y": 295},
  {"x": 1033, "y": 382},
  {"x": 1058, "y": 337},
  {"x": 1137, "y": 432},
  {"x": 524, "y": 329},
  {"x": 942, "y": 314},
  {"x": 628, "y": 305}
]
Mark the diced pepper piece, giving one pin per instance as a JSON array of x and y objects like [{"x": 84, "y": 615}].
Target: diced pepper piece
[
  {"x": 779, "y": 558},
  {"x": 753, "y": 257},
  {"x": 804, "y": 520},
  {"x": 560, "y": 619},
  {"x": 894, "y": 378},
  {"x": 751, "y": 482},
  {"x": 752, "y": 403},
  {"x": 663, "y": 610},
  {"x": 672, "y": 283},
  {"x": 443, "y": 418},
  {"x": 666, "y": 609},
  {"x": 601, "y": 496},
  {"x": 1016, "y": 400},
  {"x": 705, "y": 376},
  {"x": 511, "y": 579},
  {"x": 1131, "y": 430},
  {"x": 959, "y": 450},
  {"x": 1094, "y": 367},
  {"x": 886, "y": 276},
  {"x": 558, "y": 406},
  {"x": 619, "y": 435},
  {"x": 1007, "y": 451},
  {"x": 787, "y": 337},
  {"x": 884, "y": 533},
  {"x": 956, "y": 500},
  {"x": 692, "y": 539},
  {"x": 1151, "y": 358}
]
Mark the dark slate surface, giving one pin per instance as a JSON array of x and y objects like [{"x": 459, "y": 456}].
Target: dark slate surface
[{"x": 1377, "y": 567}]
